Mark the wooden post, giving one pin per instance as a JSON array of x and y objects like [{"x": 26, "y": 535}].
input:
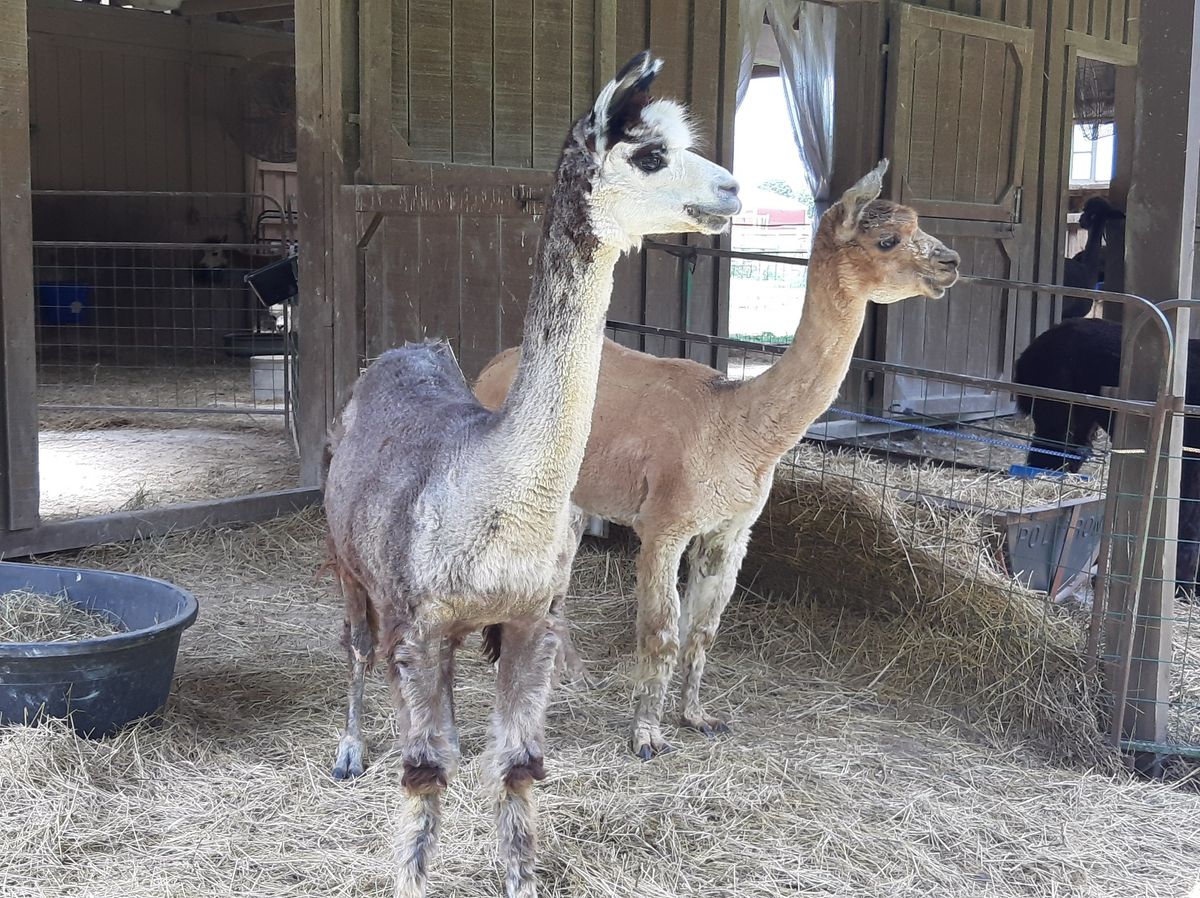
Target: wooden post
[
  {"x": 1161, "y": 219},
  {"x": 326, "y": 88},
  {"x": 18, "y": 372}
]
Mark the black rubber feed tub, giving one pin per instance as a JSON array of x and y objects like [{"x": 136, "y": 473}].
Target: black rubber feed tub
[{"x": 100, "y": 684}]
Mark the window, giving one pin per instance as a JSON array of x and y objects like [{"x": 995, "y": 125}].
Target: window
[{"x": 1092, "y": 159}]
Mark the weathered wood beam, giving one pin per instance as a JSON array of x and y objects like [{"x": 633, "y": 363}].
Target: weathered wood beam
[
  {"x": 124, "y": 526},
  {"x": 285, "y": 12},
  {"x": 212, "y": 7},
  {"x": 1160, "y": 249},
  {"x": 18, "y": 380}
]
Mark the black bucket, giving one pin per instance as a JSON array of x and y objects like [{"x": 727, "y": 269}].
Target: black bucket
[{"x": 99, "y": 684}]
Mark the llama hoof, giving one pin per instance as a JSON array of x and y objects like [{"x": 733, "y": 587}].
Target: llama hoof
[
  {"x": 649, "y": 750},
  {"x": 709, "y": 726},
  {"x": 349, "y": 762}
]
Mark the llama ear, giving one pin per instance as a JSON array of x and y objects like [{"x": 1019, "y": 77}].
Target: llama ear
[
  {"x": 620, "y": 104},
  {"x": 855, "y": 201}
]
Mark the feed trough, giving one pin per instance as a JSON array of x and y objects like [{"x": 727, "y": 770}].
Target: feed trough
[{"x": 98, "y": 684}]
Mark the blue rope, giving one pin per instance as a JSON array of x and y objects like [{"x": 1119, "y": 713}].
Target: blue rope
[{"x": 990, "y": 441}]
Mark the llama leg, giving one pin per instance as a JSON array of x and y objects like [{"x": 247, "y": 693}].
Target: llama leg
[
  {"x": 567, "y": 660},
  {"x": 658, "y": 640},
  {"x": 417, "y": 672},
  {"x": 360, "y": 649},
  {"x": 714, "y": 561},
  {"x": 523, "y": 684},
  {"x": 450, "y": 647}
]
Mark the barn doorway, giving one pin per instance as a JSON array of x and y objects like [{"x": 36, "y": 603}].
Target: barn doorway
[
  {"x": 163, "y": 169},
  {"x": 1094, "y": 227}
]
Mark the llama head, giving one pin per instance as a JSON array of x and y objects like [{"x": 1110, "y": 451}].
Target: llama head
[
  {"x": 882, "y": 250},
  {"x": 1097, "y": 212},
  {"x": 214, "y": 256},
  {"x": 642, "y": 176}
]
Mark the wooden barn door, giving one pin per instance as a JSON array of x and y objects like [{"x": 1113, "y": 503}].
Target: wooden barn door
[{"x": 958, "y": 113}]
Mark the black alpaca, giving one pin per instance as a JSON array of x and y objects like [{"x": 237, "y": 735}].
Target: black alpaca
[
  {"x": 1083, "y": 355},
  {"x": 1085, "y": 269}
]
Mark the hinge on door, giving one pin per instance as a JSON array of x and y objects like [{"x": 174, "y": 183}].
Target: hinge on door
[{"x": 1019, "y": 194}]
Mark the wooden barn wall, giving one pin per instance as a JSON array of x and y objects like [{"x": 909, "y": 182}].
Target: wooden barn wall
[
  {"x": 700, "y": 43},
  {"x": 127, "y": 100},
  {"x": 399, "y": 243},
  {"x": 947, "y": 134},
  {"x": 469, "y": 102}
]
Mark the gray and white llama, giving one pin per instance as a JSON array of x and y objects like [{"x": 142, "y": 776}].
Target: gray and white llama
[{"x": 445, "y": 517}]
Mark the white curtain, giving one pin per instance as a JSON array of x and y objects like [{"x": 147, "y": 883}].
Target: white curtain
[{"x": 806, "y": 67}]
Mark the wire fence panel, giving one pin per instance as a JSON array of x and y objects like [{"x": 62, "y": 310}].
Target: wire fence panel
[
  {"x": 163, "y": 376},
  {"x": 1013, "y": 491},
  {"x": 165, "y": 325}
]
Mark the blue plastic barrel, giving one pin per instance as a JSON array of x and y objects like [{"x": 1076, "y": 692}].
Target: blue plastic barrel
[{"x": 64, "y": 303}]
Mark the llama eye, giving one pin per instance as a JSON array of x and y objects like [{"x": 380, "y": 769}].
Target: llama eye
[
  {"x": 650, "y": 162},
  {"x": 890, "y": 242}
]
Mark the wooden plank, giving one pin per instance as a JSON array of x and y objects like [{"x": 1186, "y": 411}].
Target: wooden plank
[
  {"x": 633, "y": 30},
  {"x": 135, "y": 136},
  {"x": 1080, "y": 14},
  {"x": 971, "y": 122},
  {"x": 479, "y": 293},
  {"x": 429, "y": 86},
  {"x": 437, "y": 278},
  {"x": 1100, "y": 18},
  {"x": 18, "y": 376},
  {"x": 471, "y": 88},
  {"x": 551, "y": 79},
  {"x": 604, "y": 51},
  {"x": 513, "y": 84},
  {"x": 400, "y": 78},
  {"x": 376, "y": 126},
  {"x": 92, "y": 123},
  {"x": 156, "y": 522},
  {"x": 175, "y": 124},
  {"x": 1009, "y": 130},
  {"x": 583, "y": 48},
  {"x": 517, "y": 251},
  {"x": 1133, "y": 23},
  {"x": 212, "y": 7},
  {"x": 670, "y": 38},
  {"x": 396, "y": 307},
  {"x": 155, "y": 113},
  {"x": 925, "y": 62},
  {"x": 991, "y": 117},
  {"x": 47, "y": 161},
  {"x": 70, "y": 140},
  {"x": 947, "y": 117}
]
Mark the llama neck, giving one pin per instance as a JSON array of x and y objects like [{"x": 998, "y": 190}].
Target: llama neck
[
  {"x": 1095, "y": 242},
  {"x": 546, "y": 420},
  {"x": 779, "y": 405}
]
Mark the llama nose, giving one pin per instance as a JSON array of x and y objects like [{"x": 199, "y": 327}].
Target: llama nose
[
  {"x": 727, "y": 195},
  {"x": 948, "y": 258}
]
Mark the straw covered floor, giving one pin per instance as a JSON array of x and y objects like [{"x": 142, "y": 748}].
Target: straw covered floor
[{"x": 924, "y": 739}]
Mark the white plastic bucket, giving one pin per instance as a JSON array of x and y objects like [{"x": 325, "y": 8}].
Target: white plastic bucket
[{"x": 267, "y": 378}]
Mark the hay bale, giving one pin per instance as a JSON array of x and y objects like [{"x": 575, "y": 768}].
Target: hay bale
[
  {"x": 934, "y": 614},
  {"x": 27, "y": 616}
]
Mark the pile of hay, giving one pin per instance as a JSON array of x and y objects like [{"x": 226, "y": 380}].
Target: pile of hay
[
  {"x": 827, "y": 786},
  {"x": 932, "y": 610},
  {"x": 27, "y": 616}
]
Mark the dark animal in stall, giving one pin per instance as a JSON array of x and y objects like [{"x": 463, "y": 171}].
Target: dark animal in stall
[
  {"x": 220, "y": 264},
  {"x": 1083, "y": 355},
  {"x": 1085, "y": 269}
]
